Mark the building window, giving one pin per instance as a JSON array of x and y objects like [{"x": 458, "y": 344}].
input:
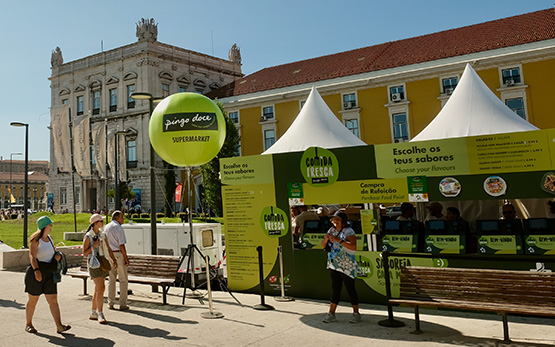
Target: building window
[
  {"x": 113, "y": 100},
  {"x": 130, "y": 100},
  {"x": 93, "y": 160},
  {"x": 400, "y": 128},
  {"x": 396, "y": 93},
  {"x": 517, "y": 105},
  {"x": 267, "y": 113},
  {"x": 349, "y": 101},
  {"x": 182, "y": 89},
  {"x": 238, "y": 153},
  {"x": 65, "y": 102},
  {"x": 449, "y": 84},
  {"x": 511, "y": 76},
  {"x": 80, "y": 105},
  {"x": 199, "y": 85},
  {"x": 63, "y": 196},
  {"x": 77, "y": 195},
  {"x": 131, "y": 154},
  {"x": 269, "y": 138},
  {"x": 165, "y": 90},
  {"x": 352, "y": 125},
  {"x": 234, "y": 116},
  {"x": 96, "y": 102}
]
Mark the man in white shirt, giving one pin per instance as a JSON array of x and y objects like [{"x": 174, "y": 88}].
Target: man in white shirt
[
  {"x": 115, "y": 236},
  {"x": 407, "y": 212},
  {"x": 435, "y": 212}
]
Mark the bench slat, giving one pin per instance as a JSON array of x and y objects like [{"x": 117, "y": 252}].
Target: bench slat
[
  {"x": 156, "y": 270},
  {"x": 478, "y": 306},
  {"x": 519, "y": 290}
]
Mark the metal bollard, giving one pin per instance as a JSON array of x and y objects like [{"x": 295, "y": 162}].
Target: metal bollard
[
  {"x": 262, "y": 305},
  {"x": 390, "y": 321},
  {"x": 282, "y": 297},
  {"x": 210, "y": 314}
]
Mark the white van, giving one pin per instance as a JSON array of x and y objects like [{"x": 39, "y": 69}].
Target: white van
[{"x": 174, "y": 238}]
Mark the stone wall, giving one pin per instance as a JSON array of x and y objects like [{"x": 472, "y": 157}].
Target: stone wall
[{"x": 18, "y": 260}]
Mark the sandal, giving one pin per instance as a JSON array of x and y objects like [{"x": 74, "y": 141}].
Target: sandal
[
  {"x": 63, "y": 328},
  {"x": 30, "y": 329}
]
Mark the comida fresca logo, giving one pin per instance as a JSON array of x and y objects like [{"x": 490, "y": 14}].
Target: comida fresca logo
[
  {"x": 319, "y": 166},
  {"x": 365, "y": 267},
  {"x": 274, "y": 221}
]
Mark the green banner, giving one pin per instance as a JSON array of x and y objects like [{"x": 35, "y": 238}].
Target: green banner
[
  {"x": 399, "y": 243},
  {"x": 357, "y": 192},
  {"x": 499, "y": 244},
  {"x": 445, "y": 244},
  {"x": 540, "y": 244},
  {"x": 371, "y": 270},
  {"x": 247, "y": 170},
  {"x": 426, "y": 158}
]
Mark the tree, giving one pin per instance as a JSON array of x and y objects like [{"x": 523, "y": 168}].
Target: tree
[
  {"x": 211, "y": 170},
  {"x": 125, "y": 191}
]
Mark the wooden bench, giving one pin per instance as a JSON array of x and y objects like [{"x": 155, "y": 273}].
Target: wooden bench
[
  {"x": 500, "y": 291},
  {"x": 155, "y": 270}
]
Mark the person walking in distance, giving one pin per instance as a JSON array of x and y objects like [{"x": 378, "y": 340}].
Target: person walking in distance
[{"x": 115, "y": 236}]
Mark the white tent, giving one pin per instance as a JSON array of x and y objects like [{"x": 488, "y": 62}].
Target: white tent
[
  {"x": 473, "y": 109},
  {"x": 315, "y": 126}
]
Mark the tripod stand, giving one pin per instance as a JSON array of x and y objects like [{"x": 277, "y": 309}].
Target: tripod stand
[{"x": 189, "y": 275}]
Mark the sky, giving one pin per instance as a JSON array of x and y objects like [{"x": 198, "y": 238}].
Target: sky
[{"x": 269, "y": 33}]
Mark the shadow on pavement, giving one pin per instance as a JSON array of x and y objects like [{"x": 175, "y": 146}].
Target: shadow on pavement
[
  {"x": 161, "y": 317},
  {"x": 432, "y": 332},
  {"x": 140, "y": 330},
  {"x": 12, "y": 304},
  {"x": 71, "y": 340}
]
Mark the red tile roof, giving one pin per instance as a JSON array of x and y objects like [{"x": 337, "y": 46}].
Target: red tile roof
[{"x": 507, "y": 32}]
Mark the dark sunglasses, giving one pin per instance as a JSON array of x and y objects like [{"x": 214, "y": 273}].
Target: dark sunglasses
[{"x": 508, "y": 212}]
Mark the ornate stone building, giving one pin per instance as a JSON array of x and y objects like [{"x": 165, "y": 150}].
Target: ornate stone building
[
  {"x": 100, "y": 86},
  {"x": 12, "y": 172}
]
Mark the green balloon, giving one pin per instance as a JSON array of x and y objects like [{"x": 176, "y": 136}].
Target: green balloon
[{"x": 187, "y": 129}]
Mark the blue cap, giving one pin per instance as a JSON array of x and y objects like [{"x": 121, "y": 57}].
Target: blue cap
[{"x": 43, "y": 222}]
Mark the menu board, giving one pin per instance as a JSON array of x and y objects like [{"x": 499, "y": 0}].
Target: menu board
[
  {"x": 243, "y": 208},
  {"x": 513, "y": 152}
]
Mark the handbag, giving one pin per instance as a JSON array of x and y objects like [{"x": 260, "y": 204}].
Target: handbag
[{"x": 104, "y": 264}]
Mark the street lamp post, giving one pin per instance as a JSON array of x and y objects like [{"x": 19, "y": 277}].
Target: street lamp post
[
  {"x": 116, "y": 175},
  {"x": 11, "y": 187},
  {"x": 26, "y": 185},
  {"x": 151, "y": 100}
]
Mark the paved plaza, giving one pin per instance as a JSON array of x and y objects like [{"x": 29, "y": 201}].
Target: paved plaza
[{"x": 296, "y": 323}]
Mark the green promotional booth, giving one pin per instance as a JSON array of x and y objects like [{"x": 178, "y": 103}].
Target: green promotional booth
[{"x": 258, "y": 191}]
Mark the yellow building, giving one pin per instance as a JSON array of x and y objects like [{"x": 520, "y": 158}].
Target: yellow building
[{"x": 391, "y": 91}]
